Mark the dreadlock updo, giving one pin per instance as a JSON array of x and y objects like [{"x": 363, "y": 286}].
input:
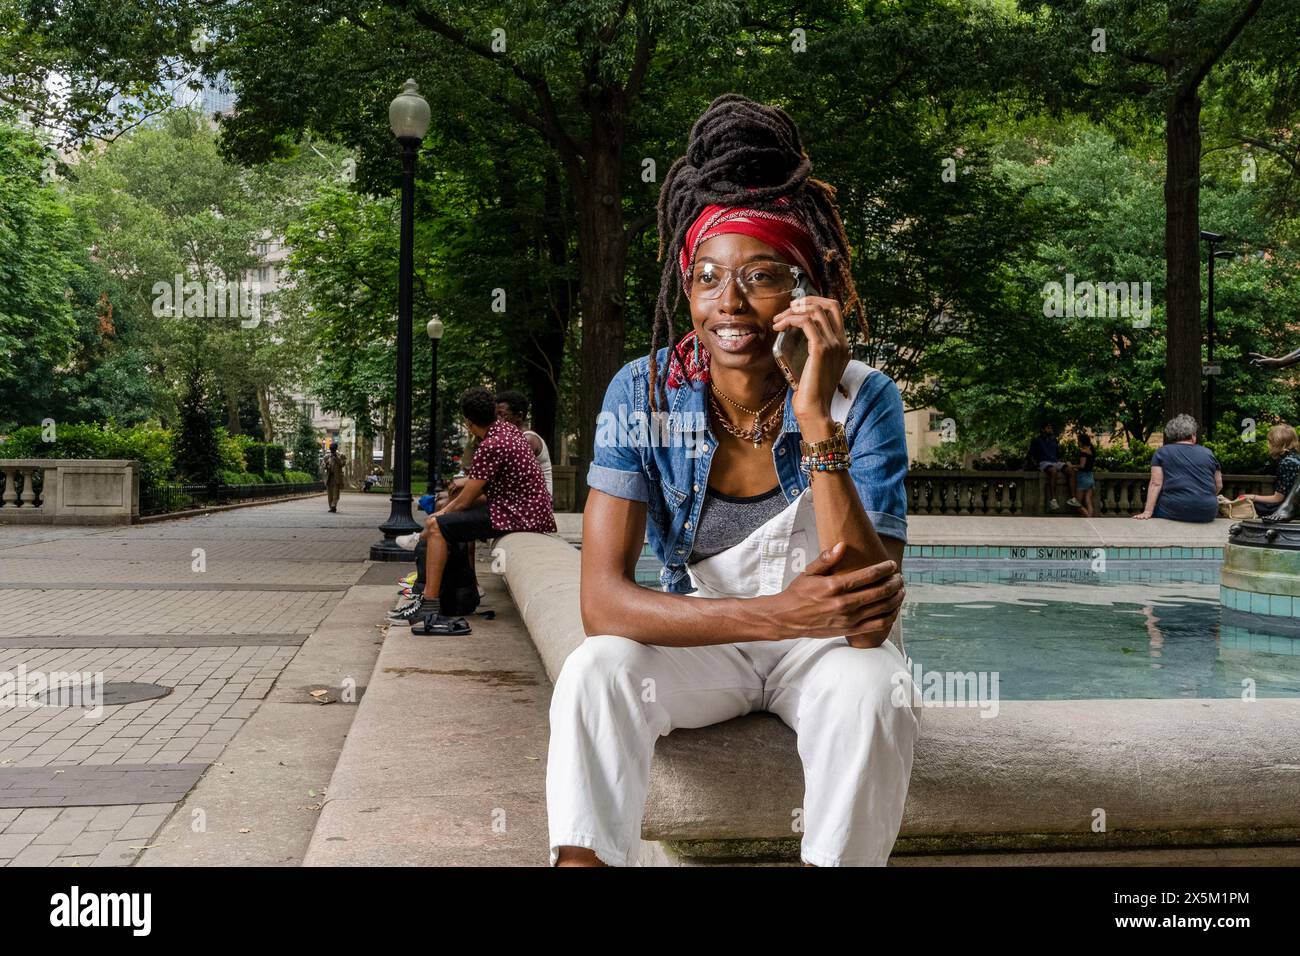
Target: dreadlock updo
[{"x": 737, "y": 145}]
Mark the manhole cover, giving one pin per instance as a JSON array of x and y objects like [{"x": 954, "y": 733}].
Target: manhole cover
[{"x": 112, "y": 693}]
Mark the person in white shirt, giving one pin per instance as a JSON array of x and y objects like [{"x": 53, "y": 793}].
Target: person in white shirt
[{"x": 513, "y": 407}]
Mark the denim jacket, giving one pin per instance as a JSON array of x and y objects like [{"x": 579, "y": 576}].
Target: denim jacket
[{"x": 664, "y": 461}]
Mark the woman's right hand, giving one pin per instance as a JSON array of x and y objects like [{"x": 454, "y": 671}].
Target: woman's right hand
[{"x": 822, "y": 602}]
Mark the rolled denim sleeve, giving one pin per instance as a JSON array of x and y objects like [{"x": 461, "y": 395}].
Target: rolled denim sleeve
[
  {"x": 878, "y": 457},
  {"x": 616, "y": 467}
]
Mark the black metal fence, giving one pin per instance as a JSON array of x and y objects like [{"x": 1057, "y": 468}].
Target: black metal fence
[{"x": 167, "y": 498}]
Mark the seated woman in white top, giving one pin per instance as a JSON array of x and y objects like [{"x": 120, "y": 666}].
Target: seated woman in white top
[{"x": 513, "y": 407}]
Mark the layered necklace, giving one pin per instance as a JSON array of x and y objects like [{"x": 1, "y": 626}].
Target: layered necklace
[{"x": 760, "y": 427}]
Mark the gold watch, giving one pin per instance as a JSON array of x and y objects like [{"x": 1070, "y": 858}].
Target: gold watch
[{"x": 836, "y": 443}]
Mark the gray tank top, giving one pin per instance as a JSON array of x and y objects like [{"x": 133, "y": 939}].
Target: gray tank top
[{"x": 725, "y": 521}]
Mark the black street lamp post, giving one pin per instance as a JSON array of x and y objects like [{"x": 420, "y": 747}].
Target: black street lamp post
[
  {"x": 1212, "y": 239},
  {"x": 408, "y": 115},
  {"x": 434, "y": 328}
]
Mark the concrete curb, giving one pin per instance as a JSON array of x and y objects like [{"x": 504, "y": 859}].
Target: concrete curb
[
  {"x": 445, "y": 762},
  {"x": 199, "y": 512}
]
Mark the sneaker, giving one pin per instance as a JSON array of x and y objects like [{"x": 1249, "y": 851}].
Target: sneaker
[
  {"x": 396, "y": 614},
  {"x": 1053, "y": 505},
  {"x": 415, "y": 611},
  {"x": 408, "y": 541},
  {"x": 1073, "y": 502}
]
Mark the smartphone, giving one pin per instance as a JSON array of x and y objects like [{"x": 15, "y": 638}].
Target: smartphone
[
  {"x": 791, "y": 353},
  {"x": 791, "y": 346}
]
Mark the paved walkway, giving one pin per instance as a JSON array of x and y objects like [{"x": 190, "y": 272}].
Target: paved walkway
[{"x": 214, "y": 608}]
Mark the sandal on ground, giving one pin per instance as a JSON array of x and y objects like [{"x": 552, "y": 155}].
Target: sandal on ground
[{"x": 436, "y": 624}]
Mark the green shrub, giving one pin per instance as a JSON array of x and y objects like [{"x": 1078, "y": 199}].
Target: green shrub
[
  {"x": 306, "y": 448},
  {"x": 272, "y": 478},
  {"x": 239, "y": 478},
  {"x": 255, "y": 457},
  {"x": 275, "y": 459},
  {"x": 300, "y": 477},
  {"x": 1001, "y": 461},
  {"x": 196, "y": 452},
  {"x": 232, "y": 451},
  {"x": 149, "y": 445},
  {"x": 1237, "y": 457},
  {"x": 1135, "y": 457}
]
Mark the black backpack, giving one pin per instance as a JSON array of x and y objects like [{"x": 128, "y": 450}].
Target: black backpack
[{"x": 459, "y": 593}]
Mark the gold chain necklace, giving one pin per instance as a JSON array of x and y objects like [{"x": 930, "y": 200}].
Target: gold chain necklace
[{"x": 754, "y": 434}]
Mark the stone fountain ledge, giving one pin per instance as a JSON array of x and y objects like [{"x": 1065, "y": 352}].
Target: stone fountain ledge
[{"x": 1180, "y": 781}]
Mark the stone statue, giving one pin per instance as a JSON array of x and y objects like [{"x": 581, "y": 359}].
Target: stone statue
[{"x": 1290, "y": 507}]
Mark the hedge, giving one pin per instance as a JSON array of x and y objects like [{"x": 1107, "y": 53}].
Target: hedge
[
  {"x": 147, "y": 444},
  {"x": 261, "y": 458}
]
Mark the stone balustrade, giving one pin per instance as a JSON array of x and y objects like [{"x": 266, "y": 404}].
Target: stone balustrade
[
  {"x": 68, "y": 491},
  {"x": 1025, "y": 493}
]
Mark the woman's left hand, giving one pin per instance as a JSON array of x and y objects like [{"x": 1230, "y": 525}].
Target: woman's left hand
[{"x": 821, "y": 321}]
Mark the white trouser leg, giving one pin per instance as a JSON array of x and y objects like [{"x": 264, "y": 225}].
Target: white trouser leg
[
  {"x": 856, "y": 726},
  {"x": 613, "y": 699}
]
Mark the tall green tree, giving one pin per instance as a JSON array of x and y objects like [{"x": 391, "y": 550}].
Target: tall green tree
[
  {"x": 163, "y": 202},
  {"x": 86, "y": 70},
  {"x": 1150, "y": 63},
  {"x": 43, "y": 268},
  {"x": 605, "y": 94}
]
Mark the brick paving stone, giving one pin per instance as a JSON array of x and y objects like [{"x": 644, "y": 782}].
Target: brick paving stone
[
  {"x": 36, "y": 856},
  {"x": 62, "y": 832},
  {"x": 11, "y": 844},
  {"x": 111, "y": 818},
  {"x": 33, "y": 820},
  {"x": 140, "y": 828},
  {"x": 89, "y": 843}
]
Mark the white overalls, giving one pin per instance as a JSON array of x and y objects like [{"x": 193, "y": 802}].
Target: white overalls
[{"x": 852, "y": 709}]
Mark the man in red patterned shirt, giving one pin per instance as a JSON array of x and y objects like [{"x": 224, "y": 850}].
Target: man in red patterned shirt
[{"x": 505, "y": 473}]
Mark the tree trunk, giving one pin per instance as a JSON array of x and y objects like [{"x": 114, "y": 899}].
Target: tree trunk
[
  {"x": 1182, "y": 258},
  {"x": 232, "y": 414},
  {"x": 361, "y": 456},
  {"x": 264, "y": 410},
  {"x": 547, "y": 363},
  {"x": 603, "y": 251}
]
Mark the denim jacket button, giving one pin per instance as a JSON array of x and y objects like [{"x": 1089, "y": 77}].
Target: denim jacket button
[
  {"x": 688, "y": 526},
  {"x": 705, "y": 448},
  {"x": 781, "y": 450},
  {"x": 695, "y": 487}
]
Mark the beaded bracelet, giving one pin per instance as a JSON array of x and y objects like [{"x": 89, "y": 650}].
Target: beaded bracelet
[{"x": 826, "y": 461}]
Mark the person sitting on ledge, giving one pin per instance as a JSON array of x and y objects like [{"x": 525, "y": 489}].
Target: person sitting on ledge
[
  {"x": 1285, "y": 447},
  {"x": 1045, "y": 453},
  {"x": 779, "y": 516},
  {"x": 505, "y": 473},
  {"x": 1185, "y": 477}
]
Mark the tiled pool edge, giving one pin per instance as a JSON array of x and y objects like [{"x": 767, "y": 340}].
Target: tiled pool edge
[{"x": 1033, "y": 552}]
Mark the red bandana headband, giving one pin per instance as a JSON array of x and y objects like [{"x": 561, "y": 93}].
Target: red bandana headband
[{"x": 783, "y": 231}]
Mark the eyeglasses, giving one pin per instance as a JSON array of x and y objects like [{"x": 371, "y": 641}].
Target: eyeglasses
[{"x": 756, "y": 280}]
